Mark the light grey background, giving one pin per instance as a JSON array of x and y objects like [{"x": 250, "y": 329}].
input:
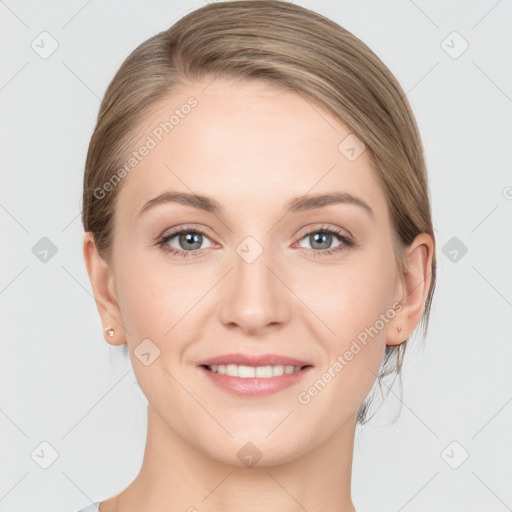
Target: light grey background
[{"x": 63, "y": 384}]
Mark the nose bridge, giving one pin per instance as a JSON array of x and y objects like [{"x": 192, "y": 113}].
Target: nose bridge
[
  {"x": 255, "y": 297},
  {"x": 252, "y": 264}
]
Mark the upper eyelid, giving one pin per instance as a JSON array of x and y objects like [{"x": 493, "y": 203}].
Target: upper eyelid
[{"x": 335, "y": 230}]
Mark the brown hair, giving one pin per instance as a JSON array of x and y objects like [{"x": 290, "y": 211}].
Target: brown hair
[{"x": 290, "y": 47}]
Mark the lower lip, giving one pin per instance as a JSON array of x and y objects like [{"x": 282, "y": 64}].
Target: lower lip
[{"x": 255, "y": 386}]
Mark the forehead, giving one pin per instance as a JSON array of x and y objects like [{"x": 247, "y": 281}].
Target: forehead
[{"x": 244, "y": 143}]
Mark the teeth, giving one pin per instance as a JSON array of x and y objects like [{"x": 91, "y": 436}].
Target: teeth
[{"x": 250, "y": 372}]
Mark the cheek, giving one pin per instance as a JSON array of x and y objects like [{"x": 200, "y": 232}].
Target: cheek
[
  {"x": 157, "y": 304},
  {"x": 348, "y": 298},
  {"x": 356, "y": 304},
  {"x": 366, "y": 296},
  {"x": 154, "y": 295},
  {"x": 354, "y": 355}
]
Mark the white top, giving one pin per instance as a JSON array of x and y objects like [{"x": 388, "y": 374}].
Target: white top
[{"x": 93, "y": 507}]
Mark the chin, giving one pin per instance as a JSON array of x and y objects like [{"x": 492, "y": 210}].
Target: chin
[{"x": 259, "y": 450}]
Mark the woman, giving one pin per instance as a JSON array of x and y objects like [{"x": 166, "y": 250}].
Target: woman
[{"x": 258, "y": 234}]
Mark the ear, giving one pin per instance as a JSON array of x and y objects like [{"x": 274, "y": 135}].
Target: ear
[
  {"x": 415, "y": 284},
  {"x": 102, "y": 282}
]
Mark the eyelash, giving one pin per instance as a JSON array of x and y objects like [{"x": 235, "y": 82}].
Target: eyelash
[{"x": 347, "y": 242}]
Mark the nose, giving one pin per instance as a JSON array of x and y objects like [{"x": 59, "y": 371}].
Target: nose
[{"x": 254, "y": 297}]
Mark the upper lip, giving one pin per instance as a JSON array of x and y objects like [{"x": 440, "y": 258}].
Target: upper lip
[{"x": 253, "y": 360}]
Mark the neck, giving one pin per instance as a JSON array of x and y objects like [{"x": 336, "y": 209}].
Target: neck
[{"x": 175, "y": 474}]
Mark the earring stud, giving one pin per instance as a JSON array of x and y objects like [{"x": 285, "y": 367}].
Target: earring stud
[
  {"x": 398, "y": 329},
  {"x": 109, "y": 331}
]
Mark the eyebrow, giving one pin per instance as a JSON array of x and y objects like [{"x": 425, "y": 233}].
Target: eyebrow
[{"x": 297, "y": 204}]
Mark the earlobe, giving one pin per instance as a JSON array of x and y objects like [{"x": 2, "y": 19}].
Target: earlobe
[
  {"x": 416, "y": 284},
  {"x": 102, "y": 282},
  {"x": 394, "y": 334},
  {"x": 396, "y": 338}
]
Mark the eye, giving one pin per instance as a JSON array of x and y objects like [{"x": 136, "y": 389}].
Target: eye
[
  {"x": 321, "y": 240},
  {"x": 189, "y": 241}
]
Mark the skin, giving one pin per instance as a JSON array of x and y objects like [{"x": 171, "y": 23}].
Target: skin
[{"x": 252, "y": 147}]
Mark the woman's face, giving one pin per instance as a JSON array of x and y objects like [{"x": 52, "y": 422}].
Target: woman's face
[{"x": 264, "y": 267}]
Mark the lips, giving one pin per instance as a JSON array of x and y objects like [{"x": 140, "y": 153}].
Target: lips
[
  {"x": 254, "y": 360},
  {"x": 254, "y": 386}
]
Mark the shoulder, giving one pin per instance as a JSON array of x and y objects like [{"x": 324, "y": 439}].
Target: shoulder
[{"x": 93, "y": 507}]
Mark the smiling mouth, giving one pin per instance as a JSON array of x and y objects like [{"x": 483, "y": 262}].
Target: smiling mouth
[{"x": 252, "y": 372}]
